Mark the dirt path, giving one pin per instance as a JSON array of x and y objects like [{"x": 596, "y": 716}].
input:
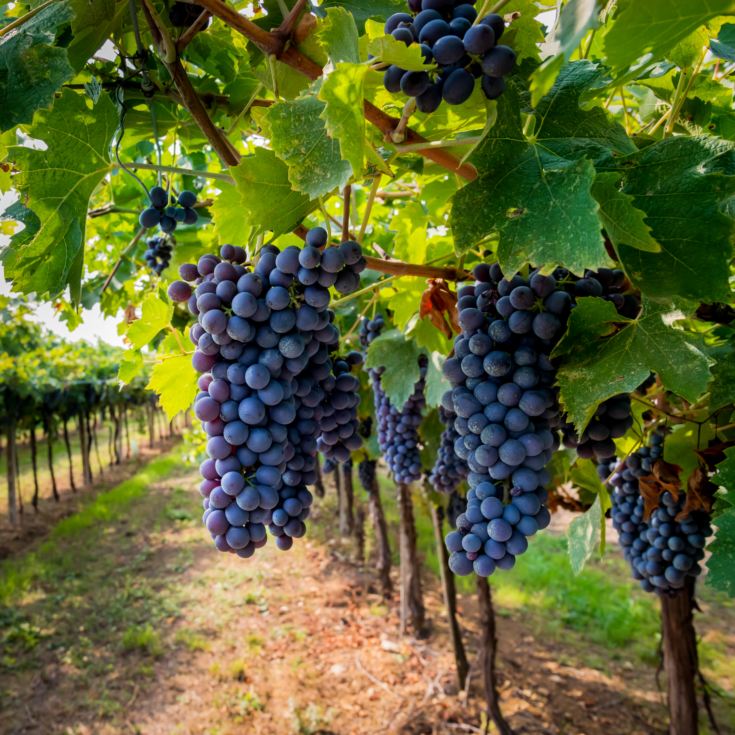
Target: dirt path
[{"x": 138, "y": 625}]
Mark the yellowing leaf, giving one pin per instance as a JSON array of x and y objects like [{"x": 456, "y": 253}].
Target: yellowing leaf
[
  {"x": 156, "y": 315},
  {"x": 175, "y": 381}
]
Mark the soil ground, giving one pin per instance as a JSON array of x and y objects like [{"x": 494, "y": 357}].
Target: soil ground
[{"x": 126, "y": 620}]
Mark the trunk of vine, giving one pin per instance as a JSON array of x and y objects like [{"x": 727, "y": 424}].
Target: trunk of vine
[
  {"x": 10, "y": 472},
  {"x": 34, "y": 468},
  {"x": 67, "y": 444},
  {"x": 127, "y": 433},
  {"x": 347, "y": 491},
  {"x": 89, "y": 444},
  {"x": 338, "y": 488},
  {"x": 412, "y": 599},
  {"x": 151, "y": 427},
  {"x": 96, "y": 443},
  {"x": 360, "y": 534},
  {"x": 319, "y": 483},
  {"x": 16, "y": 459},
  {"x": 680, "y": 660},
  {"x": 380, "y": 531},
  {"x": 110, "y": 450},
  {"x": 50, "y": 459},
  {"x": 450, "y": 595},
  {"x": 117, "y": 435},
  {"x": 488, "y": 655},
  {"x": 84, "y": 444}
]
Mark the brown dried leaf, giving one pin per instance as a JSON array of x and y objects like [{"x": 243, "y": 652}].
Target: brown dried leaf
[
  {"x": 699, "y": 495},
  {"x": 439, "y": 304},
  {"x": 663, "y": 478}
]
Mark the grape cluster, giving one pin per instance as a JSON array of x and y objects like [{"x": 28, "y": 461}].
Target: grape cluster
[
  {"x": 158, "y": 253},
  {"x": 665, "y": 549},
  {"x": 462, "y": 47},
  {"x": 612, "y": 419},
  {"x": 398, "y": 435},
  {"x": 338, "y": 425},
  {"x": 449, "y": 470},
  {"x": 263, "y": 341},
  {"x": 456, "y": 505},
  {"x": 366, "y": 471},
  {"x": 168, "y": 216},
  {"x": 329, "y": 466}
]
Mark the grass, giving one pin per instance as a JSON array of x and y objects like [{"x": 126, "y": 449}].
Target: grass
[
  {"x": 55, "y": 558},
  {"x": 142, "y": 639}
]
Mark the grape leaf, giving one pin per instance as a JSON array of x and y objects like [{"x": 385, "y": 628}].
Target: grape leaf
[
  {"x": 227, "y": 216},
  {"x": 338, "y": 35},
  {"x": 267, "y": 202},
  {"x": 724, "y": 46},
  {"x": 57, "y": 183},
  {"x": 399, "y": 356},
  {"x": 656, "y": 26},
  {"x": 342, "y": 94},
  {"x": 299, "y": 139},
  {"x": 596, "y": 368},
  {"x": 131, "y": 366},
  {"x": 436, "y": 383},
  {"x": 93, "y": 24},
  {"x": 721, "y": 565},
  {"x": 175, "y": 381},
  {"x": 584, "y": 535},
  {"x": 576, "y": 18},
  {"x": 624, "y": 224},
  {"x": 725, "y": 476},
  {"x": 32, "y": 68},
  {"x": 722, "y": 387},
  {"x": 525, "y": 32},
  {"x": 535, "y": 192},
  {"x": 682, "y": 444},
  {"x": 361, "y": 11},
  {"x": 391, "y": 51},
  {"x": 682, "y": 185},
  {"x": 155, "y": 315}
]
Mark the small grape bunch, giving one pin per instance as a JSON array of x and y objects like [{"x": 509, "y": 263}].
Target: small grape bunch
[
  {"x": 464, "y": 49},
  {"x": 168, "y": 216},
  {"x": 158, "y": 253}
]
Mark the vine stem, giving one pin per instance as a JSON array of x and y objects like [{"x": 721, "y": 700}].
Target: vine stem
[
  {"x": 369, "y": 207},
  {"x": 18, "y": 22},
  {"x": 225, "y": 150},
  {"x": 399, "y": 134},
  {"x": 399, "y": 268},
  {"x": 188, "y": 35},
  {"x": 138, "y": 235},
  {"x": 346, "y": 197},
  {"x": 274, "y": 45},
  {"x": 183, "y": 171},
  {"x": 469, "y": 140}
]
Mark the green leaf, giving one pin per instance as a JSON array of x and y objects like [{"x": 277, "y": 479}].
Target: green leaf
[
  {"x": 361, "y": 11},
  {"x": 227, "y": 216},
  {"x": 155, "y": 315},
  {"x": 94, "y": 22},
  {"x": 722, "y": 387},
  {"x": 535, "y": 192},
  {"x": 267, "y": 202},
  {"x": 725, "y": 476},
  {"x": 576, "y": 18},
  {"x": 299, "y": 139},
  {"x": 724, "y": 46},
  {"x": 583, "y": 536},
  {"x": 656, "y": 26},
  {"x": 682, "y": 185},
  {"x": 56, "y": 184},
  {"x": 399, "y": 357},
  {"x": 32, "y": 68},
  {"x": 624, "y": 224},
  {"x": 175, "y": 381},
  {"x": 526, "y": 31},
  {"x": 391, "y": 51},
  {"x": 342, "y": 94},
  {"x": 682, "y": 444},
  {"x": 131, "y": 366},
  {"x": 436, "y": 383},
  {"x": 721, "y": 565},
  {"x": 594, "y": 367},
  {"x": 338, "y": 35}
]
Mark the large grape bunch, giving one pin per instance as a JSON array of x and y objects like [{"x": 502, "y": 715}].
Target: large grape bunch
[
  {"x": 339, "y": 426},
  {"x": 665, "y": 549},
  {"x": 158, "y": 253},
  {"x": 263, "y": 340},
  {"x": 398, "y": 435},
  {"x": 168, "y": 215},
  {"x": 449, "y": 469},
  {"x": 462, "y": 47}
]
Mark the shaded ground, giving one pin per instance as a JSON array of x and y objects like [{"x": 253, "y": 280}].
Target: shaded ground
[{"x": 126, "y": 620}]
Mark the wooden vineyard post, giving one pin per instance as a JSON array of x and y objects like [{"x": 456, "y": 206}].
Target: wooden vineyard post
[{"x": 412, "y": 600}]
